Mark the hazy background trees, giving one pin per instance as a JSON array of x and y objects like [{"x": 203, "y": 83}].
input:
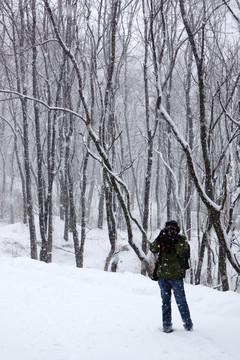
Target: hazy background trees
[{"x": 123, "y": 114}]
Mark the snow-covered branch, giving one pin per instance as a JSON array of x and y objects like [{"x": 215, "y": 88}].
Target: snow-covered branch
[
  {"x": 122, "y": 184},
  {"x": 176, "y": 189},
  {"x": 39, "y": 101},
  {"x": 186, "y": 148},
  {"x": 215, "y": 209}
]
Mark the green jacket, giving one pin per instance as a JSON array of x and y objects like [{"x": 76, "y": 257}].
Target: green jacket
[{"x": 169, "y": 265}]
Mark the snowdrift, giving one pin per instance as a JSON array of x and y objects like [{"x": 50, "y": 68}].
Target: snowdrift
[{"x": 59, "y": 312}]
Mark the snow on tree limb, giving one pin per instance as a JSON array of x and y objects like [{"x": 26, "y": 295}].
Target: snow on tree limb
[
  {"x": 214, "y": 208},
  {"x": 51, "y": 108},
  {"x": 186, "y": 148}
]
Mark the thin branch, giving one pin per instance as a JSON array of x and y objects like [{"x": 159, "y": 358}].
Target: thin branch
[
  {"x": 231, "y": 11},
  {"x": 51, "y": 108},
  {"x": 229, "y": 116},
  {"x": 11, "y": 127}
]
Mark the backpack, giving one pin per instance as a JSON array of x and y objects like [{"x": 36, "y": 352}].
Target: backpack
[
  {"x": 154, "y": 276},
  {"x": 184, "y": 261}
]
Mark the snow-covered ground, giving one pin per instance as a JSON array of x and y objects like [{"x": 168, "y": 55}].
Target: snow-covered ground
[{"x": 58, "y": 312}]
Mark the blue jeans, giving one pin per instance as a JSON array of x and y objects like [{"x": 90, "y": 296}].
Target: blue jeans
[{"x": 166, "y": 287}]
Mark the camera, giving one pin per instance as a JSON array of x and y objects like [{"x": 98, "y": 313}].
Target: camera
[{"x": 170, "y": 233}]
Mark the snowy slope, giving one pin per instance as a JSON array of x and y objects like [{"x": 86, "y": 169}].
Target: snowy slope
[{"x": 59, "y": 312}]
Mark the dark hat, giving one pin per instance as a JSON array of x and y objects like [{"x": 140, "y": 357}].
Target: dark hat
[{"x": 173, "y": 224}]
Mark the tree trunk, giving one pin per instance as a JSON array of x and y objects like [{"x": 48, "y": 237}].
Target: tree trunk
[
  {"x": 101, "y": 207},
  {"x": 83, "y": 208},
  {"x": 32, "y": 229},
  {"x": 200, "y": 258},
  {"x": 111, "y": 221},
  {"x": 73, "y": 220}
]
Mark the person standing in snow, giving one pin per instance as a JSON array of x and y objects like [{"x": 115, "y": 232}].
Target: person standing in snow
[{"x": 172, "y": 247}]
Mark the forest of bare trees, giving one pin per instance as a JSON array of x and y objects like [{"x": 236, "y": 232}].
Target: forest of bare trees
[{"x": 123, "y": 114}]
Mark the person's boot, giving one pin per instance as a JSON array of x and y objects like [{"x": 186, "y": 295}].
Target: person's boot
[
  {"x": 188, "y": 327},
  {"x": 168, "y": 329}
]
